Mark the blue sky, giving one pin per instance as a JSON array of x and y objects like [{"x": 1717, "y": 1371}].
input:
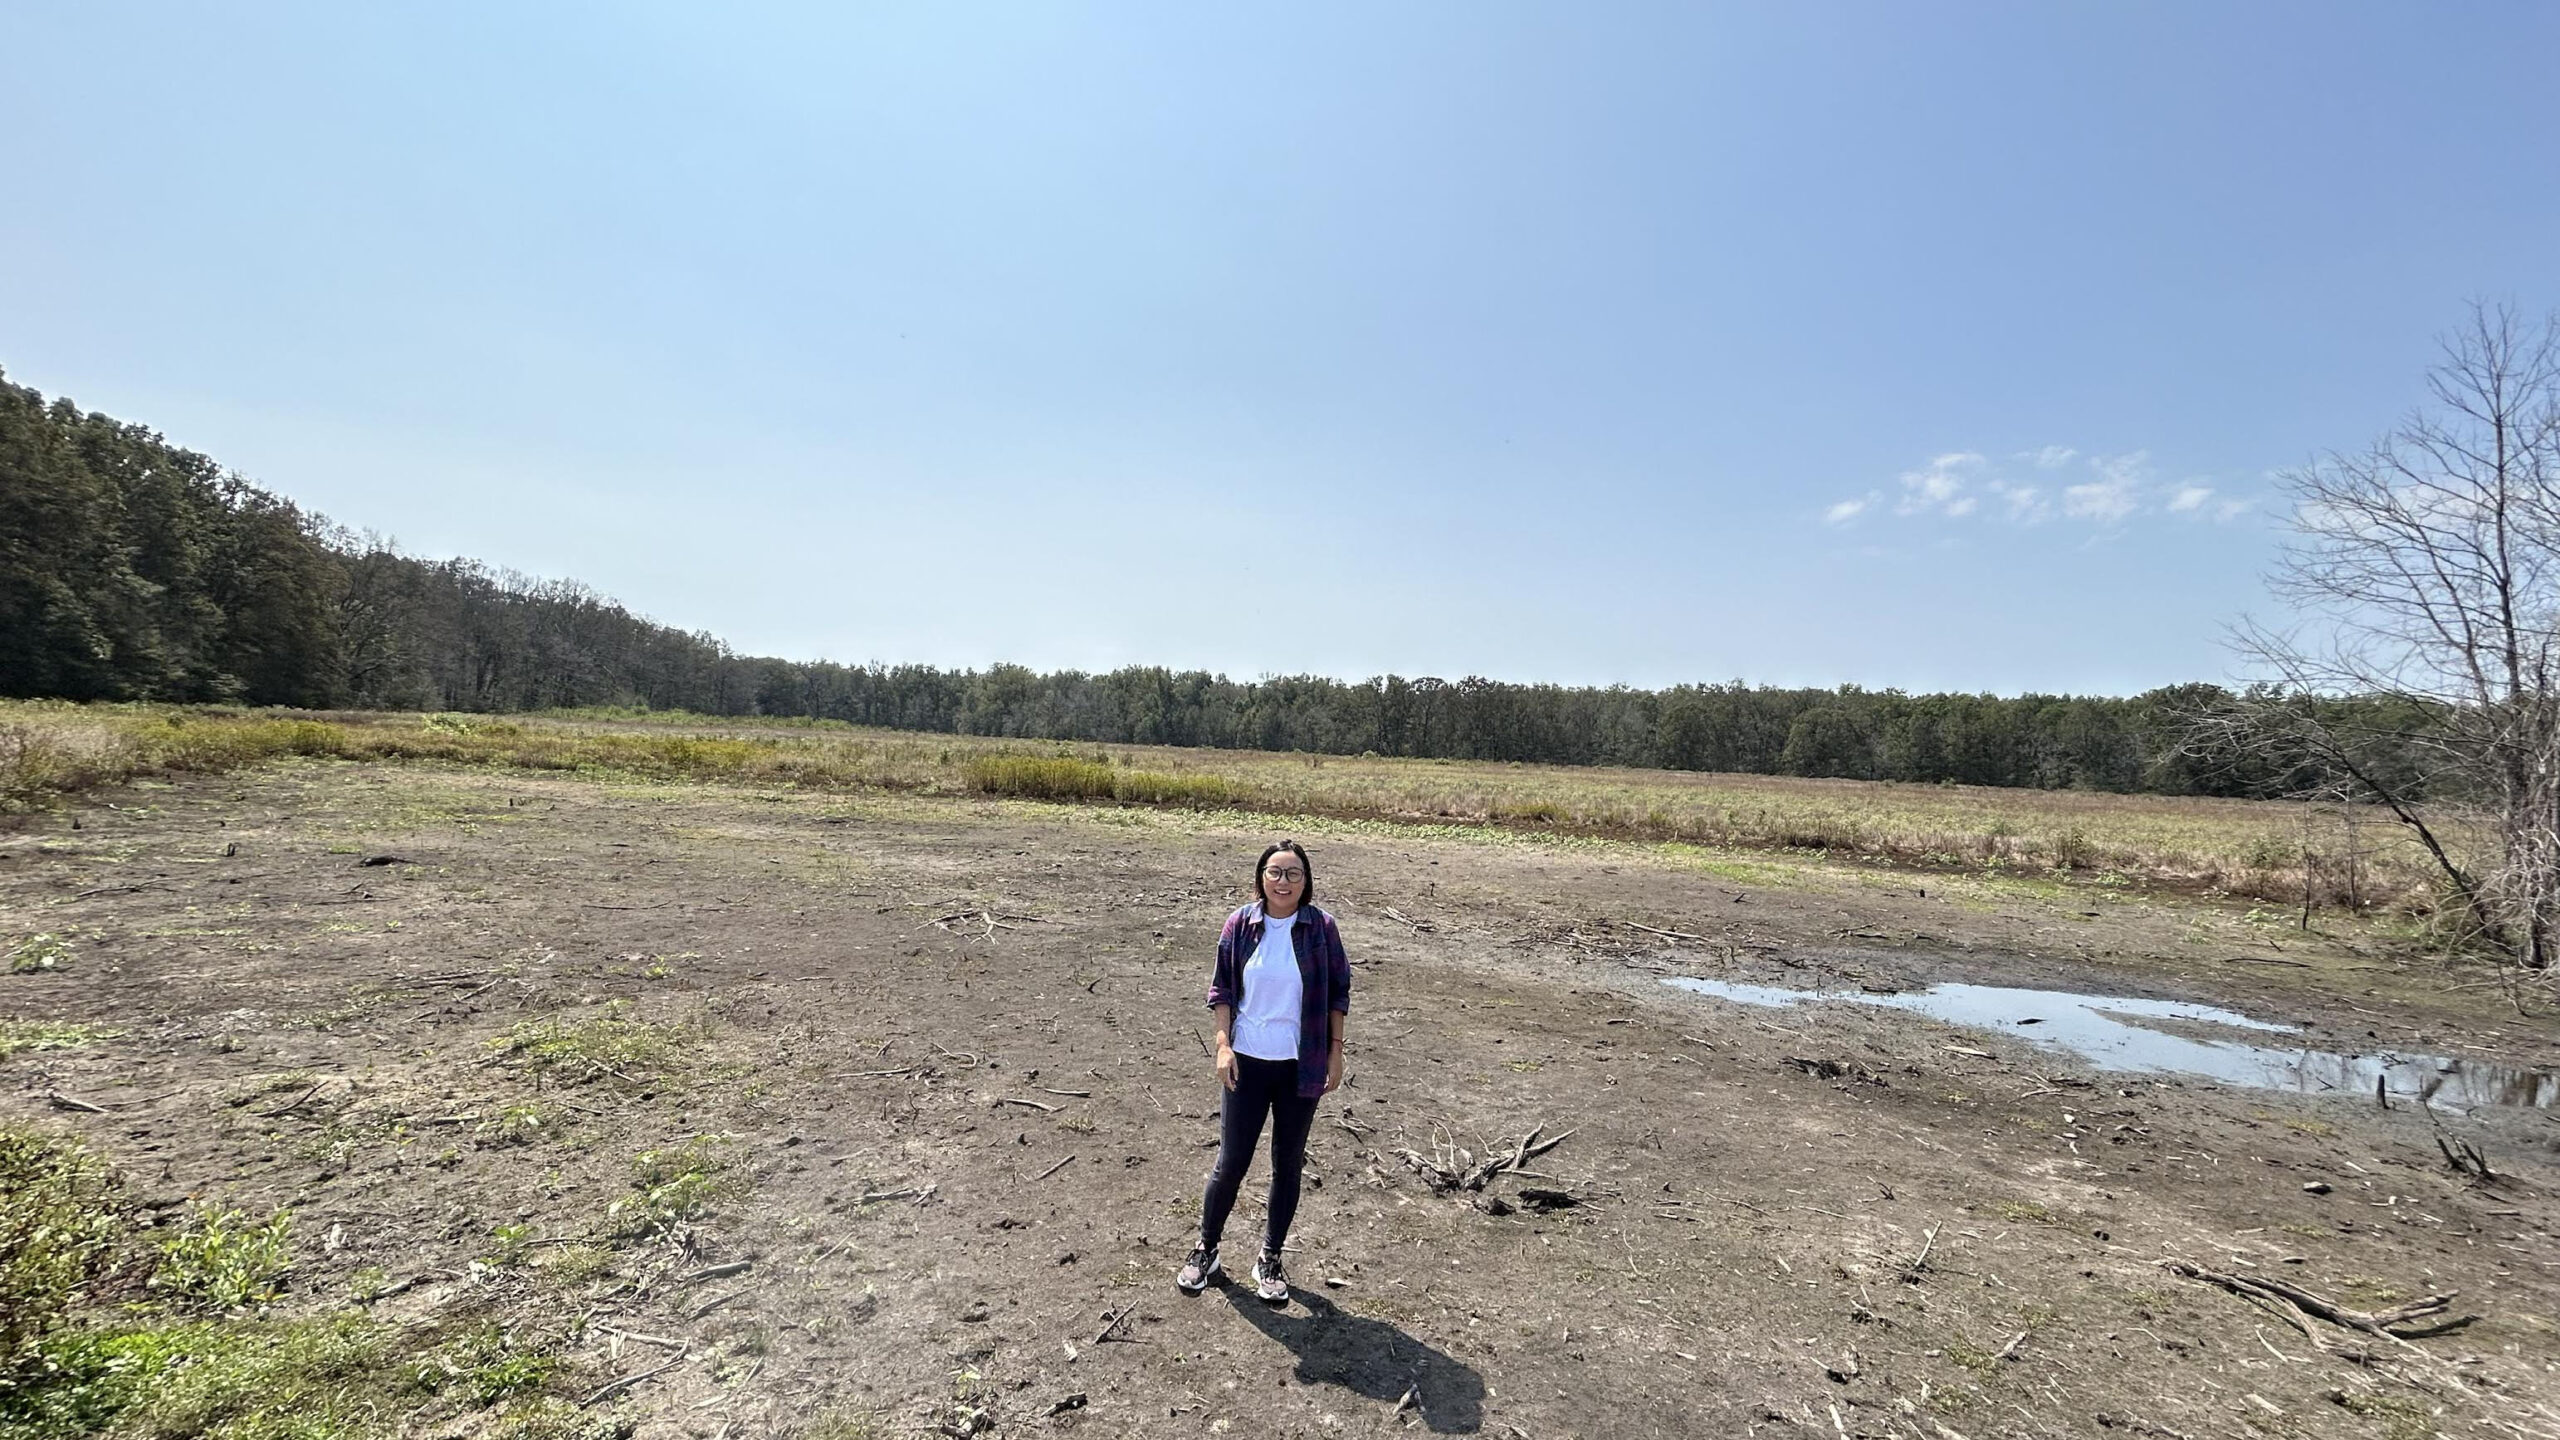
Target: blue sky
[{"x": 1943, "y": 346}]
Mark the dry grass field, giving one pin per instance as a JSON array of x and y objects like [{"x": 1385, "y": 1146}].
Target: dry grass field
[{"x": 2249, "y": 849}]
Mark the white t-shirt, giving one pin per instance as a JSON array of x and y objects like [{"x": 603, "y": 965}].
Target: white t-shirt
[{"x": 1267, "y": 1022}]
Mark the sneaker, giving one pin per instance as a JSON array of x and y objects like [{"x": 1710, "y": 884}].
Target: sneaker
[
  {"x": 1269, "y": 1281},
  {"x": 1199, "y": 1270}
]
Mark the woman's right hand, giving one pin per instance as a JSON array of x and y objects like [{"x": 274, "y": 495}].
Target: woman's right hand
[{"x": 1226, "y": 1065}]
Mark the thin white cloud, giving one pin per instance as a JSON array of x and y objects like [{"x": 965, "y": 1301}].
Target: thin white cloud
[
  {"x": 1938, "y": 484},
  {"x": 1962, "y": 484},
  {"x": 2026, "y": 502},
  {"x": 2105, "y": 501}
]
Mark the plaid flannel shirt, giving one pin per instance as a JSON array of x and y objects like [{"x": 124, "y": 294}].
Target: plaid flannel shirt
[{"x": 1324, "y": 975}]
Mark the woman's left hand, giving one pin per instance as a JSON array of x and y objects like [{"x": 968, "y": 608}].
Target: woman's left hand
[{"x": 1333, "y": 1073}]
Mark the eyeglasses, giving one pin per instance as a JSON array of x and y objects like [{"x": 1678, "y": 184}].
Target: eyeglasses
[{"x": 1290, "y": 876}]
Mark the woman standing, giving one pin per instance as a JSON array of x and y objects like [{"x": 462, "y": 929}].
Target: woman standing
[{"x": 1282, "y": 992}]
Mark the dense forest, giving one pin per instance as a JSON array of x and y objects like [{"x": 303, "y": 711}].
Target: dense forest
[{"x": 131, "y": 569}]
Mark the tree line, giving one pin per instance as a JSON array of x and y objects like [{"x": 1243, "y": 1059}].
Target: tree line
[{"x": 134, "y": 569}]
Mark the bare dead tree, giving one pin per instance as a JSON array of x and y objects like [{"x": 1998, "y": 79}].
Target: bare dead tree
[{"x": 2425, "y": 573}]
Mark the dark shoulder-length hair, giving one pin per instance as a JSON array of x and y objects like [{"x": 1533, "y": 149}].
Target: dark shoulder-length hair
[{"x": 1306, "y": 896}]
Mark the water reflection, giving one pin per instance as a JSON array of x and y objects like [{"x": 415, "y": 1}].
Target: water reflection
[{"x": 2095, "y": 1028}]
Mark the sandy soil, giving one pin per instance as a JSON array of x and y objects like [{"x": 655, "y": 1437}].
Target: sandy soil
[{"x": 991, "y": 1014}]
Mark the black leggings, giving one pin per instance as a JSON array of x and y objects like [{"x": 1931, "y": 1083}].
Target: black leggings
[{"x": 1263, "y": 1088}]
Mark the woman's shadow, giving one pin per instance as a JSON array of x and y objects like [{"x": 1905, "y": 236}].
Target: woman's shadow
[{"x": 1369, "y": 1358}]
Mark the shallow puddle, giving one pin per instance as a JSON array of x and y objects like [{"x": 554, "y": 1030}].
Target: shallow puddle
[{"x": 2100, "y": 1030}]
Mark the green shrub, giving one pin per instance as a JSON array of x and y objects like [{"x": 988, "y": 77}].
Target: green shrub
[
  {"x": 60, "y": 1219},
  {"x": 225, "y": 1380},
  {"x": 225, "y": 1259},
  {"x": 1040, "y": 777},
  {"x": 1146, "y": 787},
  {"x": 1061, "y": 777}
]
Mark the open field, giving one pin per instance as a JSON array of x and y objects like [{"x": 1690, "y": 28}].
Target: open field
[
  {"x": 2249, "y": 848},
  {"x": 882, "y": 1111}
]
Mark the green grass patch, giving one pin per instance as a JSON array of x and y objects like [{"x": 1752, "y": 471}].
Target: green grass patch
[
  {"x": 225, "y": 1259},
  {"x": 611, "y": 1043},
  {"x": 87, "y": 1348},
  {"x": 325, "y": 1378},
  {"x": 38, "y": 953},
  {"x": 673, "y": 1185},
  {"x": 17, "y": 1035}
]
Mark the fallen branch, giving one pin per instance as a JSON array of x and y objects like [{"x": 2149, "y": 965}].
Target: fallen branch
[
  {"x": 1665, "y": 934},
  {"x": 1052, "y": 1170},
  {"x": 717, "y": 1272},
  {"x": 1018, "y": 1100},
  {"x": 2374, "y": 1322},
  {"x": 1459, "y": 1170},
  {"x": 73, "y": 1102},
  {"x": 615, "y": 1387}
]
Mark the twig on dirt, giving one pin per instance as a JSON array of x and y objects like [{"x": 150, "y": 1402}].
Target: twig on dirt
[
  {"x": 1665, "y": 934},
  {"x": 707, "y": 1306},
  {"x": 717, "y": 1272},
  {"x": 910, "y": 1192},
  {"x": 118, "y": 889},
  {"x": 1418, "y": 927},
  {"x": 965, "y": 1059},
  {"x": 1052, "y": 1170},
  {"x": 658, "y": 1340},
  {"x": 1918, "y": 1265},
  {"x": 2265, "y": 960},
  {"x": 1203, "y": 1039},
  {"x": 1078, "y": 1094},
  {"x": 73, "y": 1102},
  {"x": 296, "y": 1103},
  {"x": 615, "y": 1387},
  {"x": 874, "y": 1074},
  {"x": 2010, "y": 1350},
  {"x": 1018, "y": 1100},
  {"x": 403, "y": 1287},
  {"x": 1114, "y": 1322}
]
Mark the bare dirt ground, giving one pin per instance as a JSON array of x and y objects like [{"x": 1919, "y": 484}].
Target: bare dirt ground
[{"x": 950, "y": 1056}]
